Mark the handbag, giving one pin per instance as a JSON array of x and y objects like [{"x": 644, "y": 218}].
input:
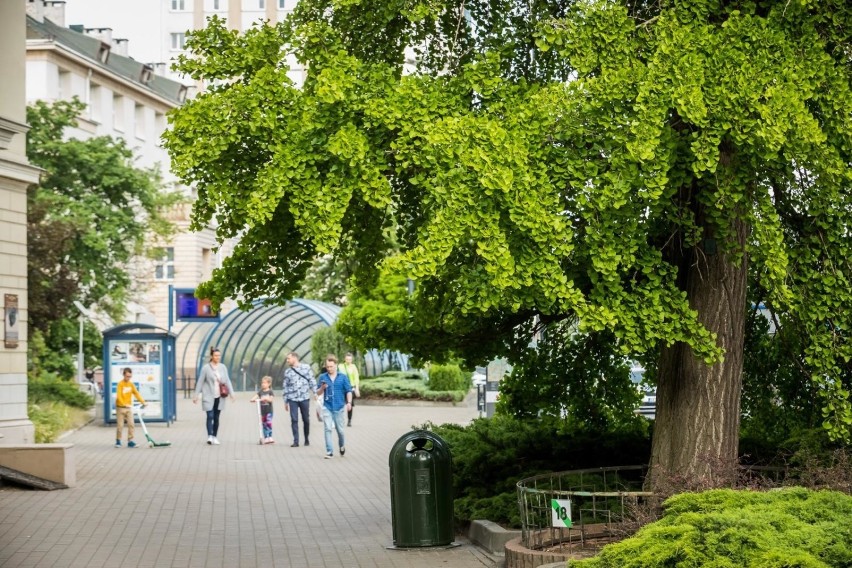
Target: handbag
[{"x": 223, "y": 390}]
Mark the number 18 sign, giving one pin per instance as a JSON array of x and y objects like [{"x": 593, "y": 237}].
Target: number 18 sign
[{"x": 560, "y": 512}]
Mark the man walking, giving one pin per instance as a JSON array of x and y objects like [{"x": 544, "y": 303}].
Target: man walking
[
  {"x": 337, "y": 393},
  {"x": 298, "y": 387}
]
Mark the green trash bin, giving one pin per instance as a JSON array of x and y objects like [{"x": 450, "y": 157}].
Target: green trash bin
[{"x": 421, "y": 484}]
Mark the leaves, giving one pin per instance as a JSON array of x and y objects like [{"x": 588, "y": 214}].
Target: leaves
[
  {"x": 549, "y": 159},
  {"x": 91, "y": 213}
]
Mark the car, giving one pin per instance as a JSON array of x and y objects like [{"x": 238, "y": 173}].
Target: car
[{"x": 648, "y": 405}]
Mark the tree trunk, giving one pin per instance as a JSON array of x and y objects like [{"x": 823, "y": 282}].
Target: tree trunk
[{"x": 697, "y": 426}]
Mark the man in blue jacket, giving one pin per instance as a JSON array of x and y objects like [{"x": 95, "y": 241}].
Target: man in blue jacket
[{"x": 336, "y": 391}]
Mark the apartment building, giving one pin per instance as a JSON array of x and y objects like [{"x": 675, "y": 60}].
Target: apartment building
[
  {"x": 125, "y": 99},
  {"x": 157, "y": 29}
]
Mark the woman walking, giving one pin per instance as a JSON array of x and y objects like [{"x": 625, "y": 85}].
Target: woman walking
[{"x": 214, "y": 376}]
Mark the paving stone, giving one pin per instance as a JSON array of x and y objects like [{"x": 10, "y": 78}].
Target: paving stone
[{"x": 237, "y": 504}]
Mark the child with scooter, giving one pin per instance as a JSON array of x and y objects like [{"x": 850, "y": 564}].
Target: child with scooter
[
  {"x": 125, "y": 390},
  {"x": 263, "y": 398}
]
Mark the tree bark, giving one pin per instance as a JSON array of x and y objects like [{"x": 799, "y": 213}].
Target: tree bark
[{"x": 697, "y": 426}]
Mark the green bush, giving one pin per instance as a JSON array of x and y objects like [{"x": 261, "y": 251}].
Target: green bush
[
  {"x": 793, "y": 527},
  {"x": 49, "y": 419},
  {"x": 405, "y": 385},
  {"x": 53, "y": 418},
  {"x": 448, "y": 378},
  {"x": 492, "y": 454},
  {"x": 46, "y": 387}
]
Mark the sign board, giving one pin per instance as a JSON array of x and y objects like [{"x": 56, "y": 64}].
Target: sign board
[
  {"x": 144, "y": 359},
  {"x": 560, "y": 513},
  {"x": 189, "y": 308}
]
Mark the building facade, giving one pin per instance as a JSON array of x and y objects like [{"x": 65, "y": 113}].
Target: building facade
[
  {"x": 15, "y": 176},
  {"x": 128, "y": 100},
  {"x": 157, "y": 29}
]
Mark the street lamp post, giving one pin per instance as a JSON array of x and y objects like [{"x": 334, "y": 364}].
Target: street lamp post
[
  {"x": 84, "y": 313},
  {"x": 80, "y": 353}
]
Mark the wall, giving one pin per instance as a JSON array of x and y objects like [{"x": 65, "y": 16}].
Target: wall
[{"x": 15, "y": 175}]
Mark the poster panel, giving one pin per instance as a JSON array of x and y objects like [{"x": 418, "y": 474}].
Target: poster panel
[{"x": 142, "y": 357}]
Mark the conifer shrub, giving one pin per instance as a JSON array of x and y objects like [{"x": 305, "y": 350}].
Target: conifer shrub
[
  {"x": 491, "y": 455},
  {"x": 792, "y": 527},
  {"x": 448, "y": 378}
]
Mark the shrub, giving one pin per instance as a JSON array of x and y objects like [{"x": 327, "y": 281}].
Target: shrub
[
  {"x": 53, "y": 418},
  {"x": 404, "y": 385},
  {"x": 492, "y": 454},
  {"x": 724, "y": 527},
  {"x": 448, "y": 378},
  {"x": 46, "y": 387}
]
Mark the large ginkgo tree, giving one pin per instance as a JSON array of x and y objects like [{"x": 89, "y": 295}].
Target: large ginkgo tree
[{"x": 622, "y": 164}]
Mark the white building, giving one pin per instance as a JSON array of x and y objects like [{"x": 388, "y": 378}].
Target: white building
[
  {"x": 15, "y": 176},
  {"x": 157, "y": 29},
  {"x": 125, "y": 99}
]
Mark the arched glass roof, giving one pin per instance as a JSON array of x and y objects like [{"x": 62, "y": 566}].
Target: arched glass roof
[{"x": 255, "y": 342}]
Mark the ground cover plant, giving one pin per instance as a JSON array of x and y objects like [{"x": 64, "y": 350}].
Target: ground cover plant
[
  {"x": 406, "y": 385},
  {"x": 55, "y": 406},
  {"x": 792, "y": 527}
]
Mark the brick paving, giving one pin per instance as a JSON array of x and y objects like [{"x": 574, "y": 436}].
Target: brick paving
[{"x": 238, "y": 504}]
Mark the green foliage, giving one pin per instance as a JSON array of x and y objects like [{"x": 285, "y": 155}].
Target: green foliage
[
  {"x": 325, "y": 341},
  {"x": 789, "y": 527},
  {"x": 580, "y": 377},
  {"x": 46, "y": 388},
  {"x": 53, "y": 418},
  {"x": 492, "y": 454},
  {"x": 514, "y": 193},
  {"x": 327, "y": 280},
  {"x": 779, "y": 401},
  {"x": 448, "y": 378},
  {"x": 405, "y": 385},
  {"x": 88, "y": 216}
]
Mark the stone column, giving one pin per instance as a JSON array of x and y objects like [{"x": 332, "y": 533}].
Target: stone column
[{"x": 15, "y": 176}]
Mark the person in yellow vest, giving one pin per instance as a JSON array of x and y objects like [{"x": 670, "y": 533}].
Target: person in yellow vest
[
  {"x": 349, "y": 369},
  {"x": 125, "y": 390}
]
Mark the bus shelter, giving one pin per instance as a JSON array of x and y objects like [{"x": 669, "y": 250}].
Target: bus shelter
[{"x": 148, "y": 351}]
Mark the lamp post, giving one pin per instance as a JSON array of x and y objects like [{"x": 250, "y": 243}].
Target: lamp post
[{"x": 80, "y": 307}]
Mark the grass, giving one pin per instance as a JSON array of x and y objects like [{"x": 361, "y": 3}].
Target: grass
[
  {"x": 52, "y": 418},
  {"x": 406, "y": 386}
]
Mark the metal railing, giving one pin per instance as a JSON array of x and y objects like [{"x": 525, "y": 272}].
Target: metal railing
[{"x": 598, "y": 501}]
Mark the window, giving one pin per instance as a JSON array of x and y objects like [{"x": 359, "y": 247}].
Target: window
[
  {"x": 178, "y": 40},
  {"x": 139, "y": 121},
  {"x": 159, "y": 124},
  {"x": 206, "y": 263},
  {"x": 118, "y": 118},
  {"x": 261, "y": 4},
  {"x": 65, "y": 85},
  {"x": 282, "y": 4},
  {"x": 95, "y": 102},
  {"x": 165, "y": 267},
  {"x": 179, "y": 5}
]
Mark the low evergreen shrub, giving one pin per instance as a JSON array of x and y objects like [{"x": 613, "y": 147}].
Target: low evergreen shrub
[
  {"x": 448, "y": 378},
  {"x": 405, "y": 385},
  {"x": 793, "y": 527},
  {"x": 492, "y": 454}
]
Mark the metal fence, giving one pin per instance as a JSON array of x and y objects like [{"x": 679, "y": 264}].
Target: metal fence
[{"x": 579, "y": 508}]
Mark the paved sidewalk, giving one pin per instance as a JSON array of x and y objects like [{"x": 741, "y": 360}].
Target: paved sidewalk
[{"x": 238, "y": 504}]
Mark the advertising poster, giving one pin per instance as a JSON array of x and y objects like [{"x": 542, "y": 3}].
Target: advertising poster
[
  {"x": 11, "y": 324},
  {"x": 143, "y": 359}
]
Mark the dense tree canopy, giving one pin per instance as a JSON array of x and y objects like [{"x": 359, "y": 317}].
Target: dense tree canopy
[
  {"x": 86, "y": 219},
  {"x": 622, "y": 163}
]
